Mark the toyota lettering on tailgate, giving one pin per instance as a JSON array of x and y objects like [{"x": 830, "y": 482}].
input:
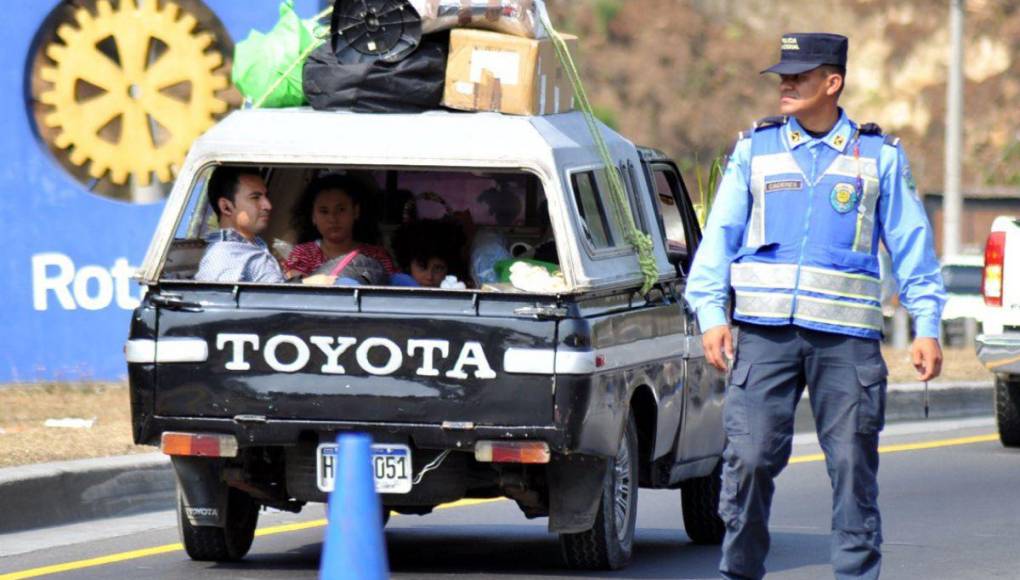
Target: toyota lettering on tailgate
[{"x": 328, "y": 353}]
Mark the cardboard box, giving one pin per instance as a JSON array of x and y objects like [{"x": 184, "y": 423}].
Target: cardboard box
[{"x": 488, "y": 71}]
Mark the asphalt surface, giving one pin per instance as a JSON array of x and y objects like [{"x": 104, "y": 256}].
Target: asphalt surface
[{"x": 949, "y": 498}]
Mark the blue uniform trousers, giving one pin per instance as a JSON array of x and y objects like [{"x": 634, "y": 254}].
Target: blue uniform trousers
[{"x": 846, "y": 381}]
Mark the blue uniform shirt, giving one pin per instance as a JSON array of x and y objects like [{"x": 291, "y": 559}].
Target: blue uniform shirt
[{"x": 900, "y": 216}]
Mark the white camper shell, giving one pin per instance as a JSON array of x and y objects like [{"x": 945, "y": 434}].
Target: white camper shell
[{"x": 553, "y": 148}]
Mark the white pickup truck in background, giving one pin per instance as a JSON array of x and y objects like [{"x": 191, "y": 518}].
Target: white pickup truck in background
[
  {"x": 965, "y": 304},
  {"x": 998, "y": 346}
]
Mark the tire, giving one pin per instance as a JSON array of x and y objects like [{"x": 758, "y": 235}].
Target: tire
[
  {"x": 609, "y": 543},
  {"x": 1007, "y": 409},
  {"x": 700, "y": 497},
  {"x": 226, "y": 544}
]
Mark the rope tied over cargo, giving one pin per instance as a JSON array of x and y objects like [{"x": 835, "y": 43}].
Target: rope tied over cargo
[{"x": 641, "y": 241}]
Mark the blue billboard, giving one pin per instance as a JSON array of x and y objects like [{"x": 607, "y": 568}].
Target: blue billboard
[{"x": 71, "y": 246}]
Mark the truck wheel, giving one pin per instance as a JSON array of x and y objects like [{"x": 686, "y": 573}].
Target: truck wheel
[
  {"x": 1007, "y": 409},
  {"x": 226, "y": 544},
  {"x": 609, "y": 543},
  {"x": 700, "y": 498}
]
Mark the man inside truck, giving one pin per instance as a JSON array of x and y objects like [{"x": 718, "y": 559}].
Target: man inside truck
[{"x": 235, "y": 252}]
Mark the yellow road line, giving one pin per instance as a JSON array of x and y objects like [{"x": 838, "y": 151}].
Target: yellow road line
[
  {"x": 168, "y": 548},
  {"x": 903, "y": 447},
  {"x": 286, "y": 528},
  {"x": 101, "y": 561}
]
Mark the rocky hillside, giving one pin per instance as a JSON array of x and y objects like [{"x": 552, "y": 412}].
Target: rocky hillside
[{"x": 683, "y": 74}]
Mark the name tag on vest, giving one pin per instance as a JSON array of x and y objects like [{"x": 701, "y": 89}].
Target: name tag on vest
[{"x": 783, "y": 185}]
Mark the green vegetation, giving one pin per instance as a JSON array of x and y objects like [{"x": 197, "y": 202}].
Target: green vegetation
[
  {"x": 707, "y": 186},
  {"x": 607, "y": 116},
  {"x": 692, "y": 87},
  {"x": 1008, "y": 167},
  {"x": 605, "y": 12}
]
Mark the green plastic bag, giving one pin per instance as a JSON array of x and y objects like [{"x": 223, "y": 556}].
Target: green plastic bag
[
  {"x": 502, "y": 267},
  {"x": 261, "y": 59}
]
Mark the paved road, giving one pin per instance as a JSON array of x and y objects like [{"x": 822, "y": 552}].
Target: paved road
[{"x": 950, "y": 500}]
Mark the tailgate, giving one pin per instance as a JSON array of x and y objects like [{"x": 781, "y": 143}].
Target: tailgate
[{"x": 295, "y": 353}]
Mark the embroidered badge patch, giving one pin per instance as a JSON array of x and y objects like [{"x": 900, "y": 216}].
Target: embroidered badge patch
[
  {"x": 782, "y": 185},
  {"x": 843, "y": 197}
]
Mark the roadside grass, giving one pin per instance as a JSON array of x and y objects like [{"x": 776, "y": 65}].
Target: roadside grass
[{"x": 24, "y": 409}]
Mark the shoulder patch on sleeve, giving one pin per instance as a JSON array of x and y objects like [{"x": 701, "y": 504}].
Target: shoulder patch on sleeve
[
  {"x": 892, "y": 140},
  {"x": 770, "y": 121},
  {"x": 871, "y": 129}
]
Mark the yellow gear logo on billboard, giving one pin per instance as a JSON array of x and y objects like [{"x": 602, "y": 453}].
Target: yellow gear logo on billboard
[{"x": 131, "y": 86}]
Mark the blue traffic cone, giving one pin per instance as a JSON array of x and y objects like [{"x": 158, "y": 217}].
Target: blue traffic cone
[{"x": 354, "y": 546}]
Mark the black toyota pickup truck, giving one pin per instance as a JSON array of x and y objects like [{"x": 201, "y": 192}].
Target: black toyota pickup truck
[{"x": 564, "y": 391}]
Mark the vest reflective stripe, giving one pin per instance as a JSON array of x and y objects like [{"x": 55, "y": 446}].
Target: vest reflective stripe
[
  {"x": 840, "y": 284},
  {"x": 812, "y": 279},
  {"x": 866, "y": 217},
  {"x": 761, "y": 166},
  {"x": 780, "y": 306},
  {"x": 758, "y": 275},
  {"x": 764, "y": 304},
  {"x": 867, "y": 169},
  {"x": 839, "y": 313}
]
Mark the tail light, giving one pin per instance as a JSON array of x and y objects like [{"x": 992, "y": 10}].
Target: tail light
[
  {"x": 198, "y": 444},
  {"x": 512, "y": 451},
  {"x": 991, "y": 278}
]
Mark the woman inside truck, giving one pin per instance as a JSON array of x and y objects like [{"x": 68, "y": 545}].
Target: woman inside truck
[{"x": 325, "y": 219}]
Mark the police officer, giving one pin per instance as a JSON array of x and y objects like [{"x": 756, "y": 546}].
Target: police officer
[{"x": 794, "y": 234}]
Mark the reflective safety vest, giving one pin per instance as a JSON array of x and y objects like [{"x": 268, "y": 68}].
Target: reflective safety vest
[{"x": 810, "y": 247}]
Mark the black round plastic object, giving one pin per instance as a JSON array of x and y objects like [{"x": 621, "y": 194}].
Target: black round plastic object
[{"x": 370, "y": 30}]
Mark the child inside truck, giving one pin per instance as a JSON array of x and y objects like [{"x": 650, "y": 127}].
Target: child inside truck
[
  {"x": 325, "y": 219},
  {"x": 427, "y": 251}
]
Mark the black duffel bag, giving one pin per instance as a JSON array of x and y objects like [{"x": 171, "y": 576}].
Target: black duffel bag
[{"x": 411, "y": 85}]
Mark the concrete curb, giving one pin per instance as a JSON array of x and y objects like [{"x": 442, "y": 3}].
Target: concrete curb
[
  {"x": 905, "y": 402},
  {"x": 50, "y": 494},
  {"x": 945, "y": 400}
]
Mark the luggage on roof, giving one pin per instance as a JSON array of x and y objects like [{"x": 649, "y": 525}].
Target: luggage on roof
[{"x": 410, "y": 85}]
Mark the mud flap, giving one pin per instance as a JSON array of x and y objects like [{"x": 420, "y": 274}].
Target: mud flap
[
  {"x": 575, "y": 488},
  {"x": 203, "y": 491}
]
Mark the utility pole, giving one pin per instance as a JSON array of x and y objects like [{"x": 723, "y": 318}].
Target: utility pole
[{"x": 952, "y": 198}]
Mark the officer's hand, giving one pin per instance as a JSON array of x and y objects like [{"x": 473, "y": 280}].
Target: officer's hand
[
  {"x": 927, "y": 356},
  {"x": 718, "y": 343}
]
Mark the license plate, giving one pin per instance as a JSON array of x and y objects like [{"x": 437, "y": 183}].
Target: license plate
[{"x": 391, "y": 467}]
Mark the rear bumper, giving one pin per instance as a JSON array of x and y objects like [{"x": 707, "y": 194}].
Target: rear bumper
[
  {"x": 588, "y": 417},
  {"x": 275, "y": 432},
  {"x": 1000, "y": 353}
]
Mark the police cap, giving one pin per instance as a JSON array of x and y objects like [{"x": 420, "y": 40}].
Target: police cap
[{"x": 803, "y": 52}]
